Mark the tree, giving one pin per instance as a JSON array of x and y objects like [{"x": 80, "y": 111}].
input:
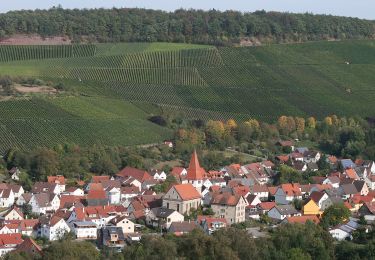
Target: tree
[
  {"x": 74, "y": 250},
  {"x": 335, "y": 215},
  {"x": 311, "y": 122},
  {"x": 300, "y": 125},
  {"x": 214, "y": 132},
  {"x": 44, "y": 163}
]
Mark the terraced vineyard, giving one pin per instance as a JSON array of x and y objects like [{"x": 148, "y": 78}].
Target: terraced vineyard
[{"x": 121, "y": 81}]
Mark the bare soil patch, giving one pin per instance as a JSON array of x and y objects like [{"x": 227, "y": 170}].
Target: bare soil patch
[
  {"x": 20, "y": 39},
  {"x": 35, "y": 89}
]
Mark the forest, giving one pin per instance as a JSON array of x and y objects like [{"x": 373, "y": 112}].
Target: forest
[{"x": 188, "y": 26}]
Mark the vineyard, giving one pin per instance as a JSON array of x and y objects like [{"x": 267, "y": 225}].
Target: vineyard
[{"x": 122, "y": 84}]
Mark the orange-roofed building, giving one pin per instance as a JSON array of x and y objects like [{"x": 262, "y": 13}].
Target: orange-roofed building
[
  {"x": 9, "y": 242},
  {"x": 351, "y": 174},
  {"x": 195, "y": 173},
  {"x": 100, "y": 179},
  {"x": 182, "y": 198},
  {"x": 59, "y": 179},
  {"x": 135, "y": 173},
  {"x": 287, "y": 193},
  {"x": 301, "y": 219}
]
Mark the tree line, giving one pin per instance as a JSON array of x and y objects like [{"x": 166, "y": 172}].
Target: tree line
[{"x": 187, "y": 26}]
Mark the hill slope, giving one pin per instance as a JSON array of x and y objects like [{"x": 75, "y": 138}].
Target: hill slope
[{"x": 311, "y": 79}]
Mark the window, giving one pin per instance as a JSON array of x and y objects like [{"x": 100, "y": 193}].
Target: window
[
  {"x": 168, "y": 206},
  {"x": 178, "y": 207}
]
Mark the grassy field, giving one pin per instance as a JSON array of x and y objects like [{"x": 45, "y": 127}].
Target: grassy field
[{"x": 122, "y": 84}]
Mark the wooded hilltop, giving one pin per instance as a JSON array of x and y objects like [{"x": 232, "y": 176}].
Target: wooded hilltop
[{"x": 189, "y": 26}]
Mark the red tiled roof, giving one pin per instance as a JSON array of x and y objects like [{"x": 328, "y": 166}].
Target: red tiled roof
[
  {"x": 267, "y": 205},
  {"x": 272, "y": 190},
  {"x": 291, "y": 189},
  {"x": 99, "y": 179},
  {"x": 10, "y": 239},
  {"x": 96, "y": 194},
  {"x": 186, "y": 191},
  {"x": 303, "y": 219},
  {"x": 29, "y": 246},
  {"x": 351, "y": 173},
  {"x": 177, "y": 170},
  {"x": 357, "y": 199},
  {"x": 195, "y": 171},
  {"x": 283, "y": 158},
  {"x": 241, "y": 190},
  {"x": 69, "y": 199},
  {"x": 225, "y": 199},
  {"x": 137, "y": 174},
  {"x": 59, "y": 179}
]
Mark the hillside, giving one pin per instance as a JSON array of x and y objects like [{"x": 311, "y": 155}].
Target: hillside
[{"x": 122, "y": 84}]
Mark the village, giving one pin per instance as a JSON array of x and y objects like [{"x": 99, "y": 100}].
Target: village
[{"x": 115, "y": 211}]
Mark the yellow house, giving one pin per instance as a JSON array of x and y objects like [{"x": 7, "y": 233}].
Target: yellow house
[{"x": 311, "y": 208}]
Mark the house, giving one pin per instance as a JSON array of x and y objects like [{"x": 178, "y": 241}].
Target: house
[
  {"x": 358, "y": 200},
  {"x": 24, "y": 199},
  {"x": 287, "y": 193},
  {"x": 158, "y": 176},
  {"x": 367, "y": 211},
  {"x": 312, "y": 166},
  {"x": 344, "y": 231},
  {"x": 6, "y": 198},
  {"x": 112, "y": 237},
  {"x": 100, "y": 178},
  {"x": 182, "y": 198},
  {"x": 123, "y": 222},
  {"x": 97, "y": 198},
  {"x": 180, "y": 228},
  {"x": 100, "y": 215},
  {"x": 27, "y": 227},
  {"x": 43, "y": 202},
  {"x": 286, "y": 144},
  {"x": 163, "y": 217},
  {"x": 84, "y": 229},
  {"x": 53, "y": 228},
  {"x": 351, "y": 174},
  {"x": 279, "y": 212},
  {"x": 113, "y": 194},
  {"x": 261, "y": 191},
  {"x": 332, "y": 161},
  {"x": 370, "y": 181},
  {"x": 300, "y": 166},
  {"x": 45, "y": 187},
  {"x": 361, "y": 187},
  {"x": 264, "y": 207},
  {"x": 210, "y": 224},
  {"x": 230, "y": 206},
  {"x": 347, "y": 163},
  {"x": 13, "y": 213},
  {"x": 319, "y": 197},
  {"x": 59, "y": 180},
  {"x": 178, "y": 171},
  {"x": 311, "y": 208},
  {"x": 128, "y": 192},
  {"x": 29, "y": 247},
  {"x": 75, "y": 191},
  {"x": 195, "y": 173},
  {"x": 15, "y": 173},
  {"x": 9, "y": 242},
  {"x": 311, "y": 156},
  {"x": 253, "y": 200},
  {"x": 348, "y": 190},
  {"x": 137, "y": 174},
  {"x": 333, "y": 180},
  {"x": 301, "y": 219},
  {"x": 70, "y": 201}
]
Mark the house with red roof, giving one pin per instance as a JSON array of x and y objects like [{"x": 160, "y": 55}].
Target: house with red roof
[
  {"x": 9, "y": 242},
  {"x": 137, "y": 174},
  {"x": 301, "y": 219},
  {"x": 29, "y": 247},
  {"x": 59, "y": 180},
  {"x": 286, "y": 193},
  {"x": 210, "y": 224},
  {"x": 367, "y": 210},
  {"x": 182, "y": 198},
  {"x": 97, "y": 198},
  {"x": 14, "y": 213}
]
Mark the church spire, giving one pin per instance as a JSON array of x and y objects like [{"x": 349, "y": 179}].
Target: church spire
[{"x": 195, "y": 172}]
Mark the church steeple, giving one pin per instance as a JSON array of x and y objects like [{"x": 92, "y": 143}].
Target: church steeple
[{"x": 195, "y": 171}]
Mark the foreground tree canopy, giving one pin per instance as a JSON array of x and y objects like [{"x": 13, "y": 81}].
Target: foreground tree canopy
[{"x": 182, "y": 25}]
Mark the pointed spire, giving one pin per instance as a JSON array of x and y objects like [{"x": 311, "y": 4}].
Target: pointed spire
[{"x": 195, "y": 172}]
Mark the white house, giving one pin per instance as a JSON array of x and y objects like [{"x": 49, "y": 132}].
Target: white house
[
  {"x": 84, "y": 229},
  {"x": 123, "y": 222},
  {"x": 43, "y": 202},
  {"x": 74, "y": 191},
  {"x": 344, "y": 231},
  {"x": 163, "y": 217},
  {"x": 54, "y": 229},
  {"x": 15, "y": 173},
  {"x": 159, "y": 176},
  {"x": 13, "y": 214},
  {"x": 114, "y": 195},
  {"x": 6, "y": 198}
]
